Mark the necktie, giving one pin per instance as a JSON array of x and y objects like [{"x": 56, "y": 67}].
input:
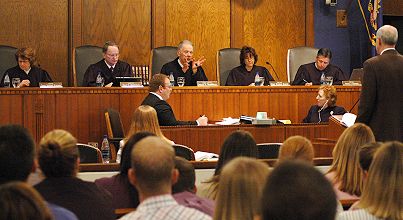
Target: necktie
[{"x": 111, "y": 69}]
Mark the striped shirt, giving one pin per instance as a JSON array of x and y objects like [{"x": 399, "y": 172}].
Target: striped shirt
[
  {"x": 164, "y": 207},
  {"x": 359, "y": 214}
]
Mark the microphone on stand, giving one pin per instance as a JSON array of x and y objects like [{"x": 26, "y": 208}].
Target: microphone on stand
[
  {"x": 267, "y": 62},
  {"x": 354, "y": 105}
]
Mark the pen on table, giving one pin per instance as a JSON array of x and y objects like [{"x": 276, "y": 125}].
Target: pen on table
[{"x": 305, "y": 80}]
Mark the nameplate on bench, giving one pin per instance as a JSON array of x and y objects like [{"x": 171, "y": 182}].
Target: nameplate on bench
[{"x": 50, "y": 85}]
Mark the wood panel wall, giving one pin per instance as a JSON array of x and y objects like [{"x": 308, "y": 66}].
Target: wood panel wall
[
  {"x": 55, "y": 27},
  {"x": 393, "y": 7}
]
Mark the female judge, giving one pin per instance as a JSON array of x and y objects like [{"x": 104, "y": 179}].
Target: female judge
[
  {"x": 244, "y": 75},
  {"x": 27, "y": 70},
  {"x": 326, "y": 106}
]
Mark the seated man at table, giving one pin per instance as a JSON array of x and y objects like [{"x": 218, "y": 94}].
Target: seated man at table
[
  {"x": 316, "y": 72},
  {"x": 109, "y": 68},
  {"x": 160, "y": 90},
  {"x": 185, "y": 65}
]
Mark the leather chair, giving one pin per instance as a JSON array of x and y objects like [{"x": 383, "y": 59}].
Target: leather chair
[
  {"x": 298, "y": 56},
  {"x": 115, "y": 130},
  {"x": 227, "y": 59},
  {"x": 83, "y": 57},
  {"x": 89, "y": 154},
  {"x": 160, "y": 56},
  {"x": 184, "y": 151},
  {"x": 7, "y": 58},
  {"x": 268, "y": 150}
]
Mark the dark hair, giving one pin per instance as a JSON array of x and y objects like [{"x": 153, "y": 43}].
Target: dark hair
[
  {"x": 157, "y": 81},
  {"x": 325, "y": 52},
  {"x": 245, "y": 51},
  {"x": 26, "y": 53},
  {"x": 109, "y": 44},
  {"x": 187, "y": 176},
  {"x": 296, "y": 190},
  {"x": 17, "y": 152},
  {"x": 366, "y": 154},
  {"x": 238, "y": 143}
]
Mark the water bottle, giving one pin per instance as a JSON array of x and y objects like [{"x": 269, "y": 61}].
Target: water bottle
[
  {"x": 99, "y": 82},
  {"x": 172, "y": 79},
  {"x": 106, "y": 156},
  {"x": 322, "y": 79},
  {"x": 257, "y": 79},
  {"x": 119, "y": 154},
  {"x": 7, "y": 81}
]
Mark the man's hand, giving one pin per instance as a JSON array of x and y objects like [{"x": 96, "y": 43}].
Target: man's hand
[
  {"x": 308, "y": 84},
  {"x": 197, "y": 63},
  {"x": 24, "y": 83},
  {"x": 202, "y": 120}
]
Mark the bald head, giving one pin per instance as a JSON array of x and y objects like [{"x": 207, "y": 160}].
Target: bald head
[
  {"x": 153, "y": 163},
  {"x": 388, "y": 35}
]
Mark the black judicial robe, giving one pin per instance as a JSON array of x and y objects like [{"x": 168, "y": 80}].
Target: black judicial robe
[
  {"x": 239, "y": 76},
  {"x": 35, "y": 75},
  {"x": 314, "y": 113},
  {"x": 190, "y": 77},
  {"x": 121, "y": 69},
  {"x": 310, "y": 73}
]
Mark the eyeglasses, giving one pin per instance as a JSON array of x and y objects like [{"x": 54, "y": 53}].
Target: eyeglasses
[{"x": 113, "y": 55}]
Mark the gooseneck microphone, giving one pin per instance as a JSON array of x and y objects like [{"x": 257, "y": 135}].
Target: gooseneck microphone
[
  {"x": 267, "y": 62},
  {"x": 354, "y": 105}
]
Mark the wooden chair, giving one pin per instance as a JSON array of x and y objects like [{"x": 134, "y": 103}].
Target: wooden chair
[
  {"x": 115, "y": 130},
  {"x": 89, "y": 154},
  {"x": 227, "y": 59},
  {"x": 83, "y": 57},
  {"x": 184, "y": 151},
  {"x": 268, "y": 150}
]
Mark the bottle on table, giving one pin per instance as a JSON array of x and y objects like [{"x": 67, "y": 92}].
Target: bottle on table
[
  {"x": 105, "y": 149},
  {"x": 6, "y": 81},
  {"x": 119, "y": 154},
  {"x": 99, "y": 82},
  {"x": 172, "y": 79}
]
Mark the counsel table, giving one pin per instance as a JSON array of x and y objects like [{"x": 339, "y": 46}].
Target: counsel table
[{"x": 81, "y": 110}]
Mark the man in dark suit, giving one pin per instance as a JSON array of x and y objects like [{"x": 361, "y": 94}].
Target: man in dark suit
[
  {"x": 160, "y": 90},
  {"x": 108, "y": 68},
  {"x": 382, "y": 88}
]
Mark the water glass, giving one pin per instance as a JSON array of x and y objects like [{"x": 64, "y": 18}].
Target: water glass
[
  {"x": 259, "y": 82},
  {"x": 181, "y": 81},
  {"x": 16, "y": 82},
  {"x": 328, "y": 80}
]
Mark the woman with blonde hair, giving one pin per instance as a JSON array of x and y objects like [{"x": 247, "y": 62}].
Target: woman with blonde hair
[
  {"x": 145, "y": 119},
  {"x": 241, "y": 184},
  {"x": 345, "y": 173},
  {"x": 59, "y": 160},
  {"x": 296, "y": 148},
  {"x": 382, "y": 197}
]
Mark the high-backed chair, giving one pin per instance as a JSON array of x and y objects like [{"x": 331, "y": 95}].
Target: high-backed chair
[
  {"x": 7, "y": 58},
  {"x": 184, "y": 151},
  {"x": 268, "y": 150},
  {"x": 114, "y": 128},
  {"x": 83, "y": 57},
  {"x": 227, "y": 59},
  {"x": 296, "y": 57},
  {"x": 160, "y": 56},
  {"x": 89, "y": 154}
]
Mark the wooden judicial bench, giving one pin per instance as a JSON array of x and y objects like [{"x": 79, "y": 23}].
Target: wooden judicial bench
[{"x": 80, "y": 110}]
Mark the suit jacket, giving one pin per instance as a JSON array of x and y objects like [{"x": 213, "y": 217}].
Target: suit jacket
[
  {"x": 166, "y": 116},
  {"x": 35, "y": 76},
  {"x": 314, "y": 113},
  {"x": 190, "y": 77},
  {"x": 121, "y": 69},
  {"x": 381, "y": 100}
]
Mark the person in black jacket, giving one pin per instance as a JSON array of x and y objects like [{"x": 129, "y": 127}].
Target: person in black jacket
[
  {"x": 325, "y": 107},
  {"x": 160, "y": 90}
]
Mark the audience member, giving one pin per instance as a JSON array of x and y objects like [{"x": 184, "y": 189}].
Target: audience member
[
  {"x": 17, "y": 161},
  {"x": 325, "y": 107},
  {"x": 241, "y": 185},
  {"x": 160, "y": 90},
  {"x": 296, "y": 148},
  {"x": 315, "y": 73},
  {"x": 244, "y": 75},
  {"x": 59, "y": 161},
  {"x": 383, "y": 192},
  {"x": 153, "y": 173},
  {"x": 18, "y": 200},
  {"x": 27, "y": 70},
  {"x": 345, "y": 173},
  {"x": 109, "y": 67},
  {"x": 184, "y": 190},
  {"x": 296, "y": 190},
  {"x": 381, "y": 105},
  {"x": 185, "y": 65},
  {"x": 124, "y": 195},
  {"x": 238, "y": 143}
]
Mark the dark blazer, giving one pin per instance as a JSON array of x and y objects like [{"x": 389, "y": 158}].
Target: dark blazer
[
  {"x": 121, "y": 69},
  {"x": 239, "y": 76},
  {"x": 381, "y": 100},
  {"x": 166, "y": 116},
  {"x": 314, "y": 113},
  {"x": 35, "y": 76},
  {"x": 190, "y": 77}
]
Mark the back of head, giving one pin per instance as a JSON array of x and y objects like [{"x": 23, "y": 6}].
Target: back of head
[
  {"x": 238, "y": 143},
  {"x": 388, "y": 35},
  {"x": 382, "y": 195},
  {"x": 296, "y": 190},
  {"x": 156, "y": 81},
  {"x": 19, "y": 201},
  {"x": 58, "y": 154},
  {"x": 145, "y": 119},
  {"x": 296, "y": 148},
  {"x": 187, "y": 176},
  {"x": 17, "y": 152},
  {"x": 153, "y": 162},
  {"x": 345, "y": 158},
  {"x": 325, "y": 52},
  {"x": 241, "y": 184},
  {"x": 366, "y": 154}
]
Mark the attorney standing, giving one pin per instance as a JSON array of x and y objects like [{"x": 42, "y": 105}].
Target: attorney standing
[{"x": 381, "y": 100}]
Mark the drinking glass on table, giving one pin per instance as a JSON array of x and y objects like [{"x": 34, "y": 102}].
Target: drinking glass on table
[
  {"x": 329, "y": 80},
  {"x": 259, "y": 81},
  {"x": 181, "y": 81},
  {"x": 16, "y": 82}
]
